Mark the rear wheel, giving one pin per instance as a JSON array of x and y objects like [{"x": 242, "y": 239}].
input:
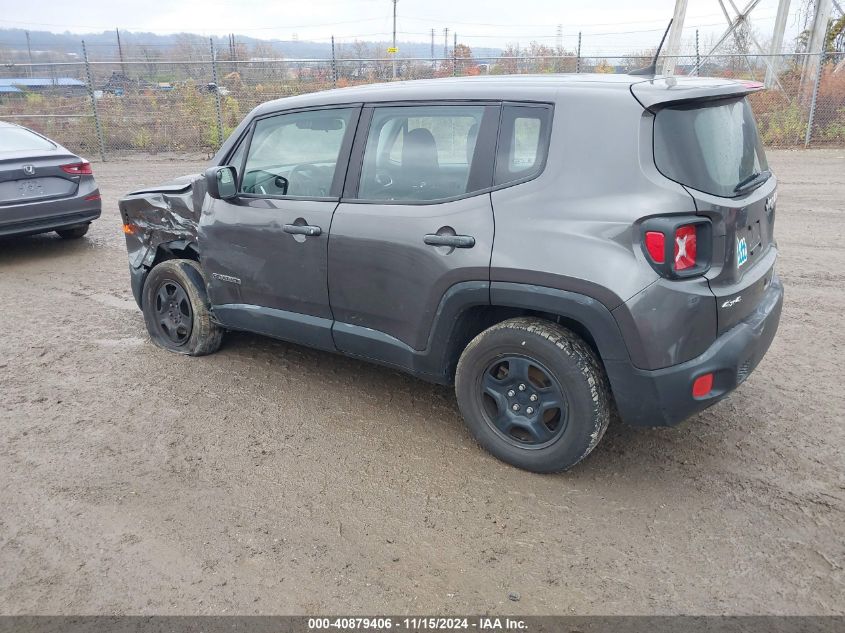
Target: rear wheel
[
  {"x": 533, "y": 394},
  {"x": 176, "y": 311},
  {"x": 74, "y": 233}
]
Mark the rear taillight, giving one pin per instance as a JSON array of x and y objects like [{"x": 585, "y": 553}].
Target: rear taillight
[
  {"x": 677, "y": 246},
  {"x": 686, "y": 247},
  {"x": 78, "y": 169},
  {"x": 655, "y": 244}
]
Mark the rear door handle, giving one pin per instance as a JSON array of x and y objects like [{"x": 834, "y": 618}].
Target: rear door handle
[
  {"x": 455, "y": 241},
  {"x": 303, "y": 229}
]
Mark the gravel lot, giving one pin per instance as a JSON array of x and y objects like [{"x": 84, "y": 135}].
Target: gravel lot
[{"x": 270, "y": 478}]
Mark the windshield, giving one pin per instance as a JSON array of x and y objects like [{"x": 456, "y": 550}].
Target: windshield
[
  {"x": 712, "y": 147},
  {"x": 16, "y": 139}
]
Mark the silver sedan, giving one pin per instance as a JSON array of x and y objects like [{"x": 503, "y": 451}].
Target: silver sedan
[{"x": 43, "y": 186}]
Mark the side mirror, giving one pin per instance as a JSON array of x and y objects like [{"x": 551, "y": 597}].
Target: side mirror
[{"x": 222, "y": 182}]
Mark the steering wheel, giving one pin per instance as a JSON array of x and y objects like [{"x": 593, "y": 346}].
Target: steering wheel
[{"x": 308, "y": 174}]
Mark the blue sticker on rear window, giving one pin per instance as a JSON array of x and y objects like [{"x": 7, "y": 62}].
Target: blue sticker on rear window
[{"x": 741, "y": 252}]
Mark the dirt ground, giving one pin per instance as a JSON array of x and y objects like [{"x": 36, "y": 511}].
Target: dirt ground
[{"x": 269, "y": 478}]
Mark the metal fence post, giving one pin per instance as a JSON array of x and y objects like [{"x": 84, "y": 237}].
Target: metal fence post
[
  {"x": 90, "y": 82},
  {"x": 578, "y": 55},
  {"x": 334, "y": 65},
  {"x": 697, "y": 56},
  {"x": 216, "y": 93},
  {"x": 455, "y": 55},
  {"x": 809, "y": 135}
]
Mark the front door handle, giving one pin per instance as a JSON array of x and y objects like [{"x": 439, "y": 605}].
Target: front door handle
[
  {"x": 455, "y": 241},
  {"x": 303, "y": 229}
]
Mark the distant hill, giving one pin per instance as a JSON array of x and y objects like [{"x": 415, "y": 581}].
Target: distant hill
[{"x": 47, "y": 46}]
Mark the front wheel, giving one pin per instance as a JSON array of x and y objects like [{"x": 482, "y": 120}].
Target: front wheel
[
  {"x": 175, "y": 307},
  {"x": 533, "y": 394}
]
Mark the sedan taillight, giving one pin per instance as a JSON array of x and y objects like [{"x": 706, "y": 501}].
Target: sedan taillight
[{"x": 78, "y": 169}]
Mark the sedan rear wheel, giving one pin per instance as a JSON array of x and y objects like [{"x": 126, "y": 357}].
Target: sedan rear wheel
[{"x": 74, "y": 233}]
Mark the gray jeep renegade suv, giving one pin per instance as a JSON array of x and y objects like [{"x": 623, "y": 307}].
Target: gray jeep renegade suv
[{"x": 559, "y": 247}]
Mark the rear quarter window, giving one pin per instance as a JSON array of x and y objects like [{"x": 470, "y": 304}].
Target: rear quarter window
[{"x": 523, "y": 142}]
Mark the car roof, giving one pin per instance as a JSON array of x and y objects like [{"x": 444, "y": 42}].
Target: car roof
[{"x": 501, "y": 87}]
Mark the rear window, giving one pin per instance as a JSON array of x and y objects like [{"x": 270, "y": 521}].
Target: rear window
[
  {"x": 17, "y": 139},
  {"x": 711, "y": 147}
]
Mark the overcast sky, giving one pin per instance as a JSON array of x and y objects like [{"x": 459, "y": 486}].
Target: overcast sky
[{"x": 608, "y": 26}]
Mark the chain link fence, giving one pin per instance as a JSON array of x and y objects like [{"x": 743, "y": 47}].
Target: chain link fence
[{"x": 111, "y": 109}]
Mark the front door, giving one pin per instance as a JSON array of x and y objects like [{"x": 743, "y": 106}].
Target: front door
[
  {"x": 265, "y": 252},
  {"x": 419, "y": 221}
]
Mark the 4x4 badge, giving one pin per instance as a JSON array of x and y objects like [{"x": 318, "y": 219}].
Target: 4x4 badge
[{"x": 741, "y": 252}]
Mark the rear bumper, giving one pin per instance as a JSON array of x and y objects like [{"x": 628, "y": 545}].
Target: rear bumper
[
  {"x": 663, "y": 397},
  {"x": 43, "y": 224}
]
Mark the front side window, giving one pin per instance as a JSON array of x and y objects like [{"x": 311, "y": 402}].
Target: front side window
[
  {"x": 296, "y": 154},
  {"x": 523, "y": 142},
  {"x": 712, "y": 146},
  {"x": 236, "y": 160},
  {"x": 420, "y": 153}
]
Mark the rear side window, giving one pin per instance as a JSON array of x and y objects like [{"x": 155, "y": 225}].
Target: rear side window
[
  {"x": 711, "y": 147},
  {"x": 523, "y": 142},
  {"x": 421, "y": 153},
  {"x": 17, "y": 139}
]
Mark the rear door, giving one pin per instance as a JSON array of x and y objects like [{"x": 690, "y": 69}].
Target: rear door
[
  {"x": 416, "y": 220},
  {"x": 713, "y": 149},
  {"x": 265, "y": 252}
]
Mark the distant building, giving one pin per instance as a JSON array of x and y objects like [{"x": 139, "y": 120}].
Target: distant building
[
  {"x": 10, "y": 92},
  {"x": 53, "y": 85}
]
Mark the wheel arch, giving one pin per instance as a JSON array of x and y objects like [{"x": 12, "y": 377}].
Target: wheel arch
[
  {"x": 584, "y": 315},
  {"x": 173, "y": 249}
]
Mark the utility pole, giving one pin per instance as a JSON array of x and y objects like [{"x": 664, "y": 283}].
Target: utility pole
[
  {"x": 670, "y": 58},
  {"x": 455, "y": 55},
  {"x": 777, "y": 42},
  {"x": 578, "y": 55},
  {"x": 29, "y": 48},
  {"x": 819, "y": 69},
  {"x": 815, "y": 48},
  {"x": 445, "y": 43},
  {"x": 120, "y": 52},
  {"x": 433, "y": 63},
  {"x": 394, "y": 39}
]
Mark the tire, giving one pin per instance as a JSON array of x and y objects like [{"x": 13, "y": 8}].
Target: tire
[
  {"x": 74, "y": 233},
  {"x": 176, "y": 309},
  {"x": 533, "y": 394}
]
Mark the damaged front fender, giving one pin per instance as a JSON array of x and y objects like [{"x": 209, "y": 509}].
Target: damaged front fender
[{"x": 161, "y": 220}]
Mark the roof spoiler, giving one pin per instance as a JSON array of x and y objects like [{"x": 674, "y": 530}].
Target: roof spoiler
[
  {"x": 657, "y": 92},
  {"x": 651, "y": 69}
]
